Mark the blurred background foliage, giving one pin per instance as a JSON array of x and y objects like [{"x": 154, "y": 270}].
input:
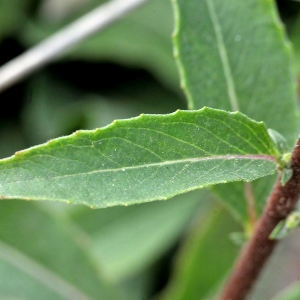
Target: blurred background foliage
[{"x": 178, "y": 249}]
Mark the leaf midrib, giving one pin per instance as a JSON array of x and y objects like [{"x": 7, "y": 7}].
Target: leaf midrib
[
  {"x": 223, "y": 56},
  {"x": 170, "y": 162}
]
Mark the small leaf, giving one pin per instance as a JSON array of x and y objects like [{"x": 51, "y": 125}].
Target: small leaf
[
  {"x": 147, "y": 158},
  {"x": 286, "y": 226},
  {"x": 279, "y": 231},
  {"x": 278, "y": 140},
  {"x": 286, "y": 175}
]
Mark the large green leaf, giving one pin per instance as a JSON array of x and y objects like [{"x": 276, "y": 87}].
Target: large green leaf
[
  {"x": 41, "y": 258},
  {"x": 142, "y": 159},
  {"x": 232, "y": 55},
  {"x": 227, "y": 62}
]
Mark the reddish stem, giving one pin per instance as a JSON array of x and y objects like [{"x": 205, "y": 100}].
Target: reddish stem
[{"x": 255, "y": 254}]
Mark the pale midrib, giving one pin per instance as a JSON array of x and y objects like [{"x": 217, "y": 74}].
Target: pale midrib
[
  {"x": 40, "y": 273},
  {"x": 264, "y": 157},
  {"x": 223, "y": 56}
]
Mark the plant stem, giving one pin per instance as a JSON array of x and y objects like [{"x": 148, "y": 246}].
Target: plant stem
[
  {"x": 48, "y": 50},
  {"x": 255, "y": 254}
]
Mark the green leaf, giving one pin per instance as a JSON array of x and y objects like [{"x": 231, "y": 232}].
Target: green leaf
[
  {"x": 294, "y": 36},
  {"x": 228, "y": 63},
  {"x": 118, "y": 233},
  {"x": 284, "y": 227},
  {"x": 48, "y": 262},
  {"x": 227, "y": 53},
  {"x": 147, "y": 158},
  {"x": 201, "y": 265},
  {"x": 55, "y": 107},
  {"x": 12, "y": 15}
]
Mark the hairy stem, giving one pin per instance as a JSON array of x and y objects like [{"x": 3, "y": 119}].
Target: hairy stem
[
  {"x": 46, "y": 51},
  {"x": 255, "y": 254}
]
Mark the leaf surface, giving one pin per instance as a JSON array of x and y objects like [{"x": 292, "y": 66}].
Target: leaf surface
[
  {"x": 147, "y": 158},
  {"x": 118, "y": 233},
  {"x": 229, "y": 64},
  {"x": 48, "y": 262},
  {"x": 232, "y": 55},
  {"x": 199, "y": 267}
]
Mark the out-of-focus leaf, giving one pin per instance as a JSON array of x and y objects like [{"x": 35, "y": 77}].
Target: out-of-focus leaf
[
  {"x": 141, "y": 39},
  {"x": 142, "y": 159},
  {"x": 54, "y": 108},
  {"x": 40, "y": 259},
  {"x": 12, "y": 15},
  {"x": 10, "y": 139},
  {"x": 204, "y": 260},
  {"x": 294, "y": 36},
  {"x": 227, "y": 62},
  {"x": 118, "y": 234}
]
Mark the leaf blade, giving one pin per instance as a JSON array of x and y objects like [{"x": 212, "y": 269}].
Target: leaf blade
[
  {"x": 142, "y": 159},
  {"x": 219, "y": 66},
  {"x": 32, "y": 261},
  {"x": 197, "y": 278},
  {"x": 227, "y": 61}
]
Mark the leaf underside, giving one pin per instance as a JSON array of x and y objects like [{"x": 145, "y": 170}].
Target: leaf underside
[{"x": 142, "y": 159}]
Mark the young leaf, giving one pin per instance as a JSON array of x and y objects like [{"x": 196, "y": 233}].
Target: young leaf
[
  {"x": 284, "y": 227},
  {"x": 147, "y": 158}
]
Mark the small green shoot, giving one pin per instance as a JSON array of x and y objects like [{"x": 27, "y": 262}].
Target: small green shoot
[
  {"x": 284, "y": 157},
  {"x": 286, "y": 226}
]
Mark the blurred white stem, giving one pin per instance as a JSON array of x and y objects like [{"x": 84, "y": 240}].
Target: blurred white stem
[{"x": 51, "y": 48}]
